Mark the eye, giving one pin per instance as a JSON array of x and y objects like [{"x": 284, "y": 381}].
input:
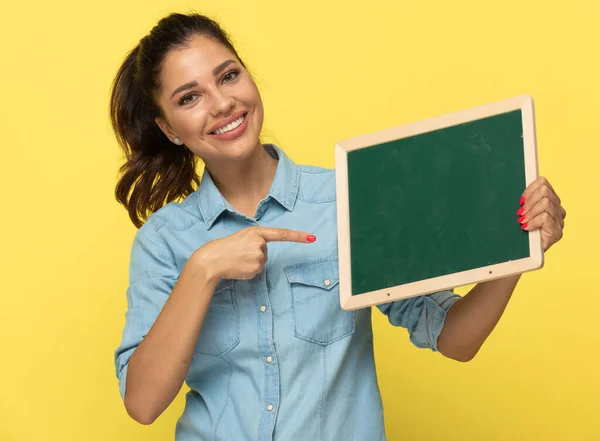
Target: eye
[
  {"x": 231, "y": 75},
  {"x": 187, "y": 99}
]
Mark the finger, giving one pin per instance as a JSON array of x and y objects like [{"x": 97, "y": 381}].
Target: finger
[
  {"x": 541, "y": 191},
  {"x": 534, "y": 186},
  {"x": 544, "y": 205},
  {"x": 265, "y": 252},
  {"x": 547, "y": 192},
  {"x": 285, "y": 235},
  {"x": 551, "y": 232},
  {"x": 546, "y": 223}
]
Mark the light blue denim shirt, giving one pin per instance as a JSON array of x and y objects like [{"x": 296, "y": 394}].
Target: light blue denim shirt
[{"x": 277, "y": 358}]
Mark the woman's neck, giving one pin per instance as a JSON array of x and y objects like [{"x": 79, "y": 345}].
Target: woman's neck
[{"x": 248, "y": 182}]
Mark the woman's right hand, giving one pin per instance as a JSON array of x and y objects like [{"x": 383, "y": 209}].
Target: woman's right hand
[
  {"x": 158, "y": 366},
  {"x": 243, "y": 255}
]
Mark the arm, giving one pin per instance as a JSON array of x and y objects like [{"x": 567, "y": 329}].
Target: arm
[
  {"x": 167, "y": 310},
  {"x": 472, "y": 318},
  {"x": 159, "y": 365}
]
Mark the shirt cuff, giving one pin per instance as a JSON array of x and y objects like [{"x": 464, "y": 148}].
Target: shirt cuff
[
  {"x": 434, "y": 313},
  {"x": 123, "y": 382}
]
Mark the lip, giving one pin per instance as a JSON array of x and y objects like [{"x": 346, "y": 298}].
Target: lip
[
  {"x": 225, "y": 122},
  {"x": 233, "y": 134}
]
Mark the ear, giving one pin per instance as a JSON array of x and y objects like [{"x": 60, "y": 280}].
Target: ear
[{"x": 167, "y": 130}]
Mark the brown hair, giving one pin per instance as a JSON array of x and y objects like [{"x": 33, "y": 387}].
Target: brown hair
[{"x": 155, "y": 171}]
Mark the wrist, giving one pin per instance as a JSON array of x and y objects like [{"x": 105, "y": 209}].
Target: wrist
[{"x": 202, "y": 265}]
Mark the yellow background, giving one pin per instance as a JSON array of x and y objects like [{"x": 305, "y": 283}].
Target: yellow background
[{"x": 327, "y": 71}]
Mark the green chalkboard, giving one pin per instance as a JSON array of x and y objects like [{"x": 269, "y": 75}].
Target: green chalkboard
[{"x": 437, "y": 203}]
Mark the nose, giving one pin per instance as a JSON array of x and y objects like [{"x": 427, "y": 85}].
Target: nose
[{"x": 222, "y": 103}]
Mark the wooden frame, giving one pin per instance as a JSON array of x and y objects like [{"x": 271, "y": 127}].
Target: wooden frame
[{"x": 449, "y": 281}]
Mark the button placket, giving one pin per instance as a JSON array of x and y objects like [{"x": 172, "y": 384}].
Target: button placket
[{"x": 267, "y": 353}]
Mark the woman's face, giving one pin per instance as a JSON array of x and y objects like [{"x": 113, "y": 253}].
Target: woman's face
[{"x": 205, "y": 93}]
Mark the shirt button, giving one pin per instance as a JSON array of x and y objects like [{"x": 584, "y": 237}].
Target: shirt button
[
  {"x": 327, "y": 282},
  {"x": 263, "y": 308},
  {"x": 270, "y": 407},
  {"x": 269, "y": 359}
]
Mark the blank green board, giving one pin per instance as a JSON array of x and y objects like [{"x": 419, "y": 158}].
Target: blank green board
[{"x": 436, "y": 203}]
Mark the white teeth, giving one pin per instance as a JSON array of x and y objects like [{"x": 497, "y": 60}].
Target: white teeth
[{"x": 231, "y": 126}]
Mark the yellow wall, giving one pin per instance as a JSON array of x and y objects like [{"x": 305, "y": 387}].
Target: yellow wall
[{"x": 327, "y": 71}]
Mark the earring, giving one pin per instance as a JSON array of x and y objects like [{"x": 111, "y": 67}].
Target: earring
[{"x": 177, "y": 141}]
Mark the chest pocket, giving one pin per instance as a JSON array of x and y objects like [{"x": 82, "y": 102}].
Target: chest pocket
[
  {"x": 221, "y": 330},
  {"x": 315, "y": 296}
]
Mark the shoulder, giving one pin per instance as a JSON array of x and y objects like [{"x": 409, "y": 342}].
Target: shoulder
[
  {"x": 316, "y": 184},
  {"x": 179, "y": 215},
  {"x": 154, "y": 237}
]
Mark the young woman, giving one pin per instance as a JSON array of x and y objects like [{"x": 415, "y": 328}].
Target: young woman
[{"x": 230, "y": 290}]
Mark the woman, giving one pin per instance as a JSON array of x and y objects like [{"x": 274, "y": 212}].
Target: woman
[{"x": 229, "y": 289}]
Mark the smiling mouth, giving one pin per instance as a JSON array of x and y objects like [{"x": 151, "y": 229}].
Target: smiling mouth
[{"x": 231, "y": 126}]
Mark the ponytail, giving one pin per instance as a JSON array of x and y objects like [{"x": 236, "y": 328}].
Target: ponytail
[{"x": 155, "y": 171}]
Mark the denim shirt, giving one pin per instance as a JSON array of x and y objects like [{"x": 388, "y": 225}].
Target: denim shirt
[{"x": 277, "y": 358}]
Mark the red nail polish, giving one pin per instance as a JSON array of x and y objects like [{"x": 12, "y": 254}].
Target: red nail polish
[
  {"x": 522, "y": 201},
  {"x": 523, "y": 226},
  {"x": 311, "y": 238},
  {"x": 521, "y": 219},
  {"x": 520, "y": 211}
]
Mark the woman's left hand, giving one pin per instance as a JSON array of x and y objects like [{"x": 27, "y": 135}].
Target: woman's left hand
[{"x": 541, "y": 209}]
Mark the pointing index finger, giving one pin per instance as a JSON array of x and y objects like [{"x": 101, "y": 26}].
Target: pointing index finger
[{"x": 285, "y": 235}]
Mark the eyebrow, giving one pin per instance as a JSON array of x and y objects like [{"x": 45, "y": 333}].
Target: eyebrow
[
  {"x": 216, "y": 71},
  {"x": 186, "y": 86}
]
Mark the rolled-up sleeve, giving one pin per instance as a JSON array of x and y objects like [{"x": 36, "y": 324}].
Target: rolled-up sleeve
[
  {"x": 152, "y": 276},
  {"x": 422, "y": 316}
]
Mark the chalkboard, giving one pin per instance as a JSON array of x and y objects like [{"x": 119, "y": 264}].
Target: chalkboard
[{"x": 431, "y": 205}]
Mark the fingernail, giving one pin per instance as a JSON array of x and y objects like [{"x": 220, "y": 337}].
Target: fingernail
[
  {"x": 523, "y": 226},
  {"x": 521, "y": 219},
  {"x": 520, "y": 211},
  {"x": 522, "y": 201},
  {"x": 311, "y": 238}
]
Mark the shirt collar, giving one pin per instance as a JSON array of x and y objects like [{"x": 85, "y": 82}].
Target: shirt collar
[{"x": 284, "y": 188}]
